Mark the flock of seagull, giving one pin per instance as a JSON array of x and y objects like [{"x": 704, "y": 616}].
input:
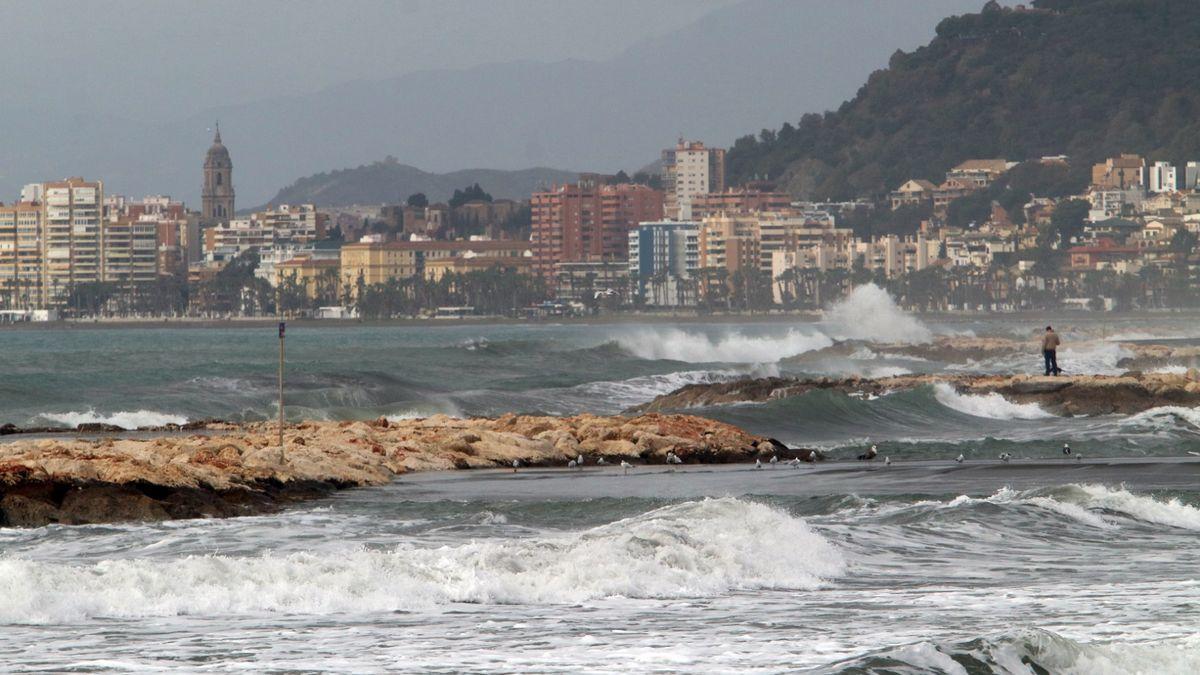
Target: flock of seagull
[{"x": 810, "y": 457}]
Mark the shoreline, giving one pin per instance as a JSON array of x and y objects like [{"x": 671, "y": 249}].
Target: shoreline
[{"x": 778, "y": 316}]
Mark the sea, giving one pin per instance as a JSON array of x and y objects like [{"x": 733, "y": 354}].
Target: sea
[{"x": 1042, "y": 564}]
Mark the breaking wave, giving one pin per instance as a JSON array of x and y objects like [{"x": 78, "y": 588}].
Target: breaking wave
[
  {"x": 1030, "y": 651},
  {"x": 992, "y": 406},
  {"x": 869, "y": 313},
  {"x": 734, "y": 347},
  {"x": 691, "y": 549},
  {"x": 125, "y": 419}
]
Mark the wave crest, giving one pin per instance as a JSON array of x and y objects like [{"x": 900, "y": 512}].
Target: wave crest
[
  {"x": 691, "y": 549},
  {"x": 125, "y": 419},
  {"x": 869, "y": 313},
  {"x": 734, "y": 347},
  {"x": 992, "y": 406}
]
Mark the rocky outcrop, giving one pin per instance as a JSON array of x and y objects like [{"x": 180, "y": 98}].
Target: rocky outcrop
[
  {"x": 1066, "y": 395},
  {"x": 241, "y": 469}
]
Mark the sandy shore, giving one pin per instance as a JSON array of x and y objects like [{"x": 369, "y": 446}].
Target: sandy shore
[{"x": 242, "y": 469}]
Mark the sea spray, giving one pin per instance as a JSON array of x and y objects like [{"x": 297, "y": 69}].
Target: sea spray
[
  {"x": 869, "y": 313},
  {"x": 689, "y": 549},
  {"x": 733, "y": 347}
]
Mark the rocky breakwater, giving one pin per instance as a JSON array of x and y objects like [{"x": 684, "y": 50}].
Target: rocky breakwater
[
  {"x": 1130, "y": 393},
  {"x": 240, "y": 470}
]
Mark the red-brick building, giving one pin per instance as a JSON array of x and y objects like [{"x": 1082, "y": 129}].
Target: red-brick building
[{"x": 588, "y": 221}]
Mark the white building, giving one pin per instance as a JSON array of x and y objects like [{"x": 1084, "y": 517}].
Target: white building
[
  {"x": 1163, "y": 177},
  {"x": 690, "y": 169}
]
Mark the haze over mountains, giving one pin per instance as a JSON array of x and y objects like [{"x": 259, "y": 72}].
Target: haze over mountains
[{"x": 740, "y": 68}]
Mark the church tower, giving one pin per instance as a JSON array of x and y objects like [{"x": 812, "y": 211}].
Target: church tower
[{"x": 216, "y": 199}]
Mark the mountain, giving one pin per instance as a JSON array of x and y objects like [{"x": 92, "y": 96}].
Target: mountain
[
  {"x": 391, "y": 181},
  {"x": 1085, "y": 78},
  {"x": 739, "y": 67}
]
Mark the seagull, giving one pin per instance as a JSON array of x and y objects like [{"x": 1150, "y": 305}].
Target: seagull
[
  {"x": 869, "y": 454},
  {"x": 579, "y": 461},
  {"x": 887, "y": 461},
  {"x": 758, "y": 463},
  {"x": 673, "y": 458},
  {"x": 516, "y": 464},
  {"x": 626, "y": 466},
  {"x": 601, "y": 462},
  {"x": 795, "y": 463},
  {"x": 1004, "y": 457},
  {"x": 1066, "y": 448},
  {"x": 572, "y": 464},
  {"x": 774, "y": 460},
  {"x": 960, "y": 458}
]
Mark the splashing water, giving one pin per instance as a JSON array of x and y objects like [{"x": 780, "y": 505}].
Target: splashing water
[{"x": 869, "y": 313}]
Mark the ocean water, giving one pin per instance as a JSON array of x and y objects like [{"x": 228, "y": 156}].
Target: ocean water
[{"x": 1043, "y": 564}]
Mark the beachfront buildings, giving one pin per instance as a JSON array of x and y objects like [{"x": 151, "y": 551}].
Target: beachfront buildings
[
  {"x": 21, "y": 256},
  {"x": 663, "y": 259},
  {"x": 72, "y": 236},
  {"x": 588, "y": 221},
  {"x": 369, "y": 262},
  {"x": 690, "y": 169}
]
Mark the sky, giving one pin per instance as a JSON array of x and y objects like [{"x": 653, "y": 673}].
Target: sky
[
  {"x": 150, "y": 59},
  {"x": 127, "y": 90}
]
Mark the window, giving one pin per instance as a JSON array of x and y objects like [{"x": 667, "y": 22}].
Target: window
[{"x": 218, "y": 178}]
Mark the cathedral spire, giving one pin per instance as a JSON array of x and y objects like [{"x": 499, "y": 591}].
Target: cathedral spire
[{"x": 217, "y": 136}]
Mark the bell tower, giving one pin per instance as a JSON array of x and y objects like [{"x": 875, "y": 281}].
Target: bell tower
[{"x": 216, "y": 199}]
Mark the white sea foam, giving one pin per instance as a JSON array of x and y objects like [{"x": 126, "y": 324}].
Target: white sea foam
[
  {"x": 992, "y": 406},
  {"x": 692, "y": 549},
  {"x": 1164, "y": 418},
  {"x": 641, "y": 389},
  {"x": 1170, "y": 512},
  {"x": 732, "y": 347},
  {"x": 125, "y": 419},
  {"x": 869, "y": 313},
  {"x": 1171, "y": 370}
]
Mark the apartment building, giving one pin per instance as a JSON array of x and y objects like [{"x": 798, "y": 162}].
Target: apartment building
[
  {"x": 377, "y": 262},
  {"x": 661, "y": 256},
  {"x": 588, "y": 221},
  {"x": 21, "y": 256},
  {"x": 72, "y": 236},
  {"x": 735, "y": 200},
  {"x": 690, "y": 169}
]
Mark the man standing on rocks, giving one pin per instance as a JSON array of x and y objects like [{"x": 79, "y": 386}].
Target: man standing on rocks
[{"x": 1050, "y": 344}]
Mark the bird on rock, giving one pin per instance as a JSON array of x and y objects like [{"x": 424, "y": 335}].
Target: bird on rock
[{"x": 960, "y": 458}]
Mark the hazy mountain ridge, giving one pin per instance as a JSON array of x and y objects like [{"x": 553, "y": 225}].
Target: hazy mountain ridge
[
  {"x": 1086, "y": 79},
  {"x": 700, "y": 81},
  {"x": 389, "y": 181}
]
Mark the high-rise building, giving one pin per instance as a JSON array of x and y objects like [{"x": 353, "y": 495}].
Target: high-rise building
[
  {"x": 1163, "y": 177},
  {"x": 21, "y": 256},
  {"x": 73, "y": 236},
  {"x": 690, "y": 169},
  {"x": 588, "y": 221},
  {"x": 663, "y": 256},
  {"x": 216, "y": 199},
  {"x": 1191, "y": 176}
]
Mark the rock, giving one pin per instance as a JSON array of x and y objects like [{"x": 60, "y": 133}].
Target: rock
[
  {"x": 109, "y": 504},
  {"x": 97, "y": 427},
  {"x": 21, "y": 511}
]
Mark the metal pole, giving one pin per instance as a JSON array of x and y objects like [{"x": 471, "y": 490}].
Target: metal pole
[{"x": 281, "y": 330}]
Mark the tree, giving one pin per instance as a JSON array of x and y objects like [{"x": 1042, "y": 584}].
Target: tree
[
  {"x": 472, "y": 193},
  {"x": 1068, "y": 219},
  {"x": 417, "y": 200}
]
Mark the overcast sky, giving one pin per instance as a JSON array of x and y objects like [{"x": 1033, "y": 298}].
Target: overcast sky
[{"x": 152, "y": 60}]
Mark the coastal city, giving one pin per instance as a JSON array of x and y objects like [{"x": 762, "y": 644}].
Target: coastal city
[{"x": 989, "y": 235}]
